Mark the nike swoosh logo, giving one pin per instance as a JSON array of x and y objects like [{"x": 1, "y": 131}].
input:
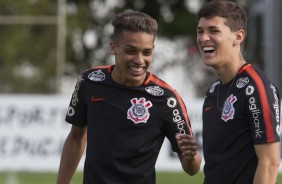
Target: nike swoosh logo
[
  {"x": 208, "y": 108},
  {"x": 93, "y": 99}
]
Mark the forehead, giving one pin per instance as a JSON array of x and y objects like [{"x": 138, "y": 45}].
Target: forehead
[
  {"x": 209, "y": 22},
  {"x": 137, "y": 39}
]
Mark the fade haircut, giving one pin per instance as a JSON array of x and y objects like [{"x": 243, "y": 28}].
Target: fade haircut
[
  {"x": 234, "y": 14},
  {"x": 134, "y": 21}
]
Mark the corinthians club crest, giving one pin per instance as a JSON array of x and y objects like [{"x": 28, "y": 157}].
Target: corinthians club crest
[
  {"x": 138, "y": 112},
  {"x": 228, "y": 109}
]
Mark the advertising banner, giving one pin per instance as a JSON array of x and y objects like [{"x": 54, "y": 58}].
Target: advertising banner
[{"x": 33, "y": 131}]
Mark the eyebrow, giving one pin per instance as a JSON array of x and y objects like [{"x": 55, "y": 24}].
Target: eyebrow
[
  {"x": 128, "y": 46},
  {"x": 137, "y": 48},
  {"x": 209, "y": 28}
]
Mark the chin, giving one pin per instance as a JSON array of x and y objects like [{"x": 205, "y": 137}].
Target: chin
[
  {"x": 208, "y": 62},
  {"x": 136, "y": 79}
]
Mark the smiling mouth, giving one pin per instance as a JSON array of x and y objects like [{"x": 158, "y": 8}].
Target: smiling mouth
[
  {"x": 137, "y": 70},
  {"x": 208, "y": 50}
]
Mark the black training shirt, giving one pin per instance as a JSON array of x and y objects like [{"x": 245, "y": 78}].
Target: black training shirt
[
  {"x": 236, "y": 116},
  {"x": 126, "y": 126}
]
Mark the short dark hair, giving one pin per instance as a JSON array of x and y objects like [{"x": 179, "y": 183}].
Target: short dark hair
[
  {"x": 234, "y": 14},
  {"x": 134, "y": 21}
]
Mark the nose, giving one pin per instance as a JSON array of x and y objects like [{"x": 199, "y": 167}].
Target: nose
[
  {"x": 203, "y": 37},
  {"x": 139, "y": 59}
]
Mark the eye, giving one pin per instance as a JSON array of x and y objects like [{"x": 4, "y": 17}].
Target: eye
[
  {"x": 199, "y": 31},
  {"x": 130, "y": 51},
  {"x": 214, "y": 31},
  {"x": 147, "y": 52}
]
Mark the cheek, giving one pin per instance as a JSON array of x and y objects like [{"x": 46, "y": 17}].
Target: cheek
[
  {"x": 199, "y": 45},
  {"x": 198, "y": 39},
  {"x": 148, "y": 60},
  {"x": 122, "y": 57},
  {"x": 119, "y": 61}
]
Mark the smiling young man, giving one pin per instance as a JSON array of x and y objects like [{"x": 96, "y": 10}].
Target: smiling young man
[
  {"x": 124, "y": 113},
  {"x": 241, "y": 112}
]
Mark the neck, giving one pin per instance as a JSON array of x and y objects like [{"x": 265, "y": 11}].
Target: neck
[
  {"x": 123, "y": 79},
  {"x": 228, "y": 71}
]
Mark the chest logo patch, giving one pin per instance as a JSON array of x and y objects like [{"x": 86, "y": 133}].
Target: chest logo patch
[
  {"x": 228, "y": 109},
  {"x": 97, "y": 76},
  {"x": 138, "y": 112},
  {"x": 155, "y": 90},
  {"x": 242, "y": 82}
]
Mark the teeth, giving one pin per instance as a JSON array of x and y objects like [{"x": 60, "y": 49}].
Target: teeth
[
  {"x": 208, "y": 48},
  {"x": 137, "y": 69}
]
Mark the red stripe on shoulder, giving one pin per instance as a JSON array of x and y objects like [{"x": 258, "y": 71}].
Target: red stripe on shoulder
[
  {"x": 148, "y": 78},
  {"x": 99, "y": 67},
  {"x": 103, "y": 67},
  {"x": 181, "y": 104},
  {"x": 264, "y": 102},
  {"x": 244, "y": 68}
]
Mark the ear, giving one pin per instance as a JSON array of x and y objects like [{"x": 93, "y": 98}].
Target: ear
[
  {"x": 239, "y": 36},
  {"x": 113, "y": 47}
]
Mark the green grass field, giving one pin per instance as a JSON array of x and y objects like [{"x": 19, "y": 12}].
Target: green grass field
[{"x": 50, "y": 178}]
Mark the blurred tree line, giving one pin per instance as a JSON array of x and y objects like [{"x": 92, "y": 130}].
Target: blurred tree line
[{"x": 28, "y": 52}]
